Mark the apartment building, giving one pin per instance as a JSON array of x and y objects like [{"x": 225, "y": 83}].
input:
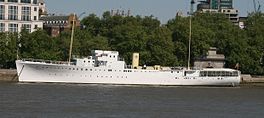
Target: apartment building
[{"x": 16, "y": 15}]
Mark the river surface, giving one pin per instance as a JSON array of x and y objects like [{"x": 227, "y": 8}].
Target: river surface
[{"x": 110, "y": 101}]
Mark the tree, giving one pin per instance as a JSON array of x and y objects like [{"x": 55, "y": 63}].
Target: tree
[{"x": 8, "y": 49}]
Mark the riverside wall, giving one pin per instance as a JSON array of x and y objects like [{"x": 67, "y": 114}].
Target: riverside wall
[{"x": 8, "y": 75}]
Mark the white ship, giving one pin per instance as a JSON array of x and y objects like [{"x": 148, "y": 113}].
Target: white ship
[{"x": 105, "y": 67}]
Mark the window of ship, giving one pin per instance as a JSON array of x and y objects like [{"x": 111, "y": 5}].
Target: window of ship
[
  {"x": 25, "y": 1},
  {"x": 69, "y": 68},
  {"x": 218, "y": 73},
  {"x": 211, "y": 74},
  {"x": 12, "y": 0},
  {"x": 110, "y": 70},
  {"x": 81, "y": 69},
  {"x": 86, "y": 69},
  {"x": 73, "y": 68},
  {"x": 91, "y": 69},
  {"x": 35, "y": 1}
]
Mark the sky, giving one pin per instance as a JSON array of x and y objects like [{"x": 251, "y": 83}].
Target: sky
[{"x": 162, "y": 9}]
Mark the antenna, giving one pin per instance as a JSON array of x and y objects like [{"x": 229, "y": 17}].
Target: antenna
[
  {"x": 192, "y": 6},
  {"x": 254, "y": 3},
  {"x": 259, "y": 6}
]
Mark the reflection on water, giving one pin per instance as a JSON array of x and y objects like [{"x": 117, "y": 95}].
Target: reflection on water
[{"x": 86, "y": 100}]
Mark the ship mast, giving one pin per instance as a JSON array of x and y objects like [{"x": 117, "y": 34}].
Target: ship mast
[
  {"x": 190, "y": 39},
  {"x": 190, "y": 34},
  {"x": 72, "y": 36}
]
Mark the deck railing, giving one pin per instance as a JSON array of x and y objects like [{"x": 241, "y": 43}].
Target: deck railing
[{"x": 48, "y": 61}]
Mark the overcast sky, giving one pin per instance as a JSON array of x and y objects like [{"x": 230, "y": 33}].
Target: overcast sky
[{"x": 162, "y": 9}]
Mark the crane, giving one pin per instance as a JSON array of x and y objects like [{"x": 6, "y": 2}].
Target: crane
[
  {"x": 192, "y": 6},
  {"x": 255, "y": 6}
]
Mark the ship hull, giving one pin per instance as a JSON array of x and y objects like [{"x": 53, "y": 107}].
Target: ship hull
[{"x": 63, "y": 73}]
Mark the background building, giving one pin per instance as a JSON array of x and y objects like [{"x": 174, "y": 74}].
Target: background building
[
  {"x": 212, "y": 60},
  {"x": 220, "y": 6},
  {"x": 54, "y": 25},
  {"x": 16, "y": 15}
]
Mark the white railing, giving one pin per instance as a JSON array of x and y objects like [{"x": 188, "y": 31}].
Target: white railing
[{"x": 48, "y": 61}]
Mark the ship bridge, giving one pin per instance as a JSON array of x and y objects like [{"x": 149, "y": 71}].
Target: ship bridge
[{"x": 100, "y": 58}]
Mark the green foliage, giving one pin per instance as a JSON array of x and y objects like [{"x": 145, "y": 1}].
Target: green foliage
[{"x": 8, "y": 49}]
